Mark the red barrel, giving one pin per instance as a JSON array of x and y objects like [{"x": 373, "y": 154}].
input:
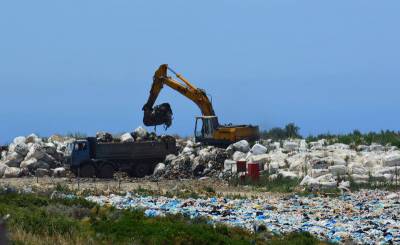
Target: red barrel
[
  {"x": 241, "y": 166},
  {"x": 253, "y": 170}
]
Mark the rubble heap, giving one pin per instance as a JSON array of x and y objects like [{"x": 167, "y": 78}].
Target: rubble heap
[
  {"x": 316, "y": 163},
  {"x": 32, "y": 155},
  {"x": 139, "y": 134},
  {"x": 193, "y": 160}
]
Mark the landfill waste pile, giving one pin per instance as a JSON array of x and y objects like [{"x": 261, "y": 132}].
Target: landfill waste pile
[
  {"x": 365, "y": 217},
  {"x": 139, "y": 134},
  {"x": 322, "y": 165},
  {"x": 317, "y": 164},
  {"x": 193, "y": 160},
  {"x": 35, "y": 156}
]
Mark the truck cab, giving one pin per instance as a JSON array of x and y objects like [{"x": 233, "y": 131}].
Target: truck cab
[{"x": 79, "y": 152}]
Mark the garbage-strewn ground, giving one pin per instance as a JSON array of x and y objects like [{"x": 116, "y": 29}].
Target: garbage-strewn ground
[
  {"x": 337, "y": 192},
  {"x": 40, "y": 220},
  {"x": 57, "y": 218},
  {"x": 363, "y": 217}
]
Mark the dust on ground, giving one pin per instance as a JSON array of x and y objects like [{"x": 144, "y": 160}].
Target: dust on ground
[{"x": 207, "y": 186}]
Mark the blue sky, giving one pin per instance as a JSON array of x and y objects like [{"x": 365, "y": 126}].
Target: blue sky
[{"x": 68, "y": 66}]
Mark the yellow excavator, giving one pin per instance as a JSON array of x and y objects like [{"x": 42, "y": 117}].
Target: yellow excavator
[{"x": 207, "y": 128}]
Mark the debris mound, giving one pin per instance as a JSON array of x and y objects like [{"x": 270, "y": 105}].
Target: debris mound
[
  {"x": 32, "y": 156},
  {"x": 314, "y": 164}
]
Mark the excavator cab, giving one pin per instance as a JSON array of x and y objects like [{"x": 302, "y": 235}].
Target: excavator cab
[{"x": 205, "y": 127}]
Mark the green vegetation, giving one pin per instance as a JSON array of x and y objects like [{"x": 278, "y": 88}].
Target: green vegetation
[
  {"x": 36, "y": 219},
  {"x": 358, "y": 138},
  {"x": 377, "y": 183},
  {"x": 354, "y": 138},
  {"x": 295, "y": 238},
  {"x": 185, "y": 193},
  {"x": 209, "y": 190},
  {"x": 278, "y": 184},
  {"x": 145, "y": 192},
  {"x": 282, "y": 185},
  {"x": 289, "y": 131}
]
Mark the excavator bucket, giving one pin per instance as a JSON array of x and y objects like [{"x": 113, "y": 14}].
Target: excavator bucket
[{"x": 158, "y": 115}]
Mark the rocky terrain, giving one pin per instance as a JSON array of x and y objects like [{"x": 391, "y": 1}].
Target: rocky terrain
[
  {"x": 197, "y": 183},
  {"x": 32, "y": 155},
  {"x": 317, "y": 164}
]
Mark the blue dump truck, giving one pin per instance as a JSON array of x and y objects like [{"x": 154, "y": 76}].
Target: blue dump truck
[{"x": 90, "y": 158}]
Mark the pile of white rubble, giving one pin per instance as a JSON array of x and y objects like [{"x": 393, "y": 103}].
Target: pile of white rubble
[
  {"x": 34, "y": 156},
  {"x": 139, "y": 134},
  {"x": 319, "y": 164},
  {"x": 193, "y": 160},
  {"x": 316, "y": 164}
]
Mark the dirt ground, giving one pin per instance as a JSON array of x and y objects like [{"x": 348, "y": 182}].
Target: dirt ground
[{"x": 101, "y": 186}]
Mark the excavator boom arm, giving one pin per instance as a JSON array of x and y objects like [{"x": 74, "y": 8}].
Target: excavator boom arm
[{"x": 198, "y": 96}]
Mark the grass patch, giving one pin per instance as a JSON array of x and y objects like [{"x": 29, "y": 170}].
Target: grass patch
[
  {"x": 303, "y": 238},
  {"x": 358, "y": 138},
  {"x": 331, "y": 192},
  {"x": 233, "y": 196},
  {"x": 30, "y": 213},
  {"x": 354, "y": 138},
  {"x": 282, "y": 185},
  {"x": 182, "y": 194},
  {"x": 264, "y": 183},
  {"x": 132, "y": 226},
  {"x": 63, "y": 188},
  {"x": 375, "y": 183},
  {"x": 145, "y": 192},
  {"x": 209, "y": 190}
]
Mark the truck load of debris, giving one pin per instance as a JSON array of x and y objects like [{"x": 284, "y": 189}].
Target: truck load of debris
[
  {"x": 134, "y": 153},
  {"x": 139, "y": 134}
]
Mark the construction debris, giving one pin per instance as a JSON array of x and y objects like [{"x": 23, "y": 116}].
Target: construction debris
[
  {"x": 319, "y": 164},
  {"x": 127, "y": 137},
  {"x": 104, "y": 137},
  {"x": 315, "y": 163},
  {"x": 33, "y": 156}
]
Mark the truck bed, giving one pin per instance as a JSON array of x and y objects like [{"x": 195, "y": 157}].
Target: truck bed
[{"x": 134, "y": 150}]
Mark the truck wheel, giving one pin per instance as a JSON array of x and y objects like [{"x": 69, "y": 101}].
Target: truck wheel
[
  {"x": 87, "y": 171},
  {"x": 106, "y": 171},
  {"x": 141, "y": 170}
]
